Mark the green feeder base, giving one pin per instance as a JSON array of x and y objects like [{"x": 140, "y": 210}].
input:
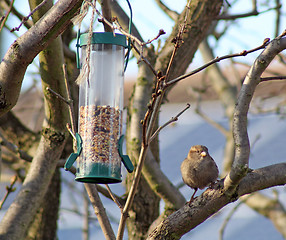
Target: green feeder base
[{"x": 98, "y": 173}]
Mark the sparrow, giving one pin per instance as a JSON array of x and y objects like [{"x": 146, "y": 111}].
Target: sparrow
[{"x": 199, "y": 169}]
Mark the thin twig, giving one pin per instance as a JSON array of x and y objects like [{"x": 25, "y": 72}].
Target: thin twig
[
  {"x": 86, "y": 217},
  {"x": 71, "y": 131},
  {"x": 70, "y": 101},
  {"x": 15, "y": 149},
  {"x": 28, "y": 24},
  {"x": 157, "y": 100},
  {"x": 106, "y": 12},
  {"x": 213, "y": 123},
  {"x": 25, "y": 19},
  {"x": 173, "y": 119},
  {"x": 9, "y": 189},
  {"x": 218, "y": 59},
  {"x": 114, "y": 198},
  {"x": 151, "y": 113},
  {"x": 228, "y": 217},
  {"x": 278, "y": 18},
  {"x": 264, "y": 79},
  {"x": 249, "y": 14},
  {"x": 178, "y": 42},
  {"x": 171, "y": 13},
  {"x": 99, "y": 211},
  {"x": 145, "y": 60},
  {"x": 57, "y": 95},
  {"x": 115, "y": 25},
  {"x": 3, "y": 21},
  {"x": 161, "y": 32}
]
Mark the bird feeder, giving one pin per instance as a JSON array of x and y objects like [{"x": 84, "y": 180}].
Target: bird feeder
[{"x": 99, "y": 137}]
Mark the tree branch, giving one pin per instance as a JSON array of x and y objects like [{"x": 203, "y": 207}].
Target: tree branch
[
  {"x": 170, "y": 13},
  {"x": 25, "y": 19},
  {"x": 106, "y": 12},
  {"x": 242, "y": 148},
  {"x": 216, "y": 60},
  {"x": 173, "y": 119},
  {"x": 3, "y": 21},
  {"x": 99, "y": 211},
  {"x": 9, "y": 189},
  {"x": 212, "y": 200},
  {"x": 5, "y": 4},
  {"x": 22, "y": 52},
  {"x": 15, "y": 149},
  {"x": 254, "y": 12},
  {"x": 25, "y": 206},
  {"x": 269, "y": 207},
  {"x": 199, "y": 16}
]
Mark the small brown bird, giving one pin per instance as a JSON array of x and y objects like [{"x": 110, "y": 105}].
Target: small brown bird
[{"x": 198, "y": 169}]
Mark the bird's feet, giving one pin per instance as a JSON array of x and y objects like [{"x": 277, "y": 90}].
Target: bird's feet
[{"x": 191, "y": 200}]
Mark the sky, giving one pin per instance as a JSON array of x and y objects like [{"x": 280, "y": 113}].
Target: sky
[{"x": 245, "y": 34}]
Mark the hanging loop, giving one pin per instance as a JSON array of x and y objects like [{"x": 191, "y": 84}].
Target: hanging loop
[{"x": 78, "y": 65}]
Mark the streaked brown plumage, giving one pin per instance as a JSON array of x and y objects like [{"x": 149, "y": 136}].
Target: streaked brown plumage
[{"x": 198, "y": 169}]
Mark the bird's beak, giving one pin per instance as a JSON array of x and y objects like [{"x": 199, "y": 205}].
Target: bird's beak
[{"x": 203, "y": 154}]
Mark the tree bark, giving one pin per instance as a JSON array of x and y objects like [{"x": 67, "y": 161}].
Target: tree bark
[
  {"x": 270, "y": 208},
  {"x": 142, "y": 94},
  {"x": 22, "y": 52},
  {"x": 22, "y": 211},
  {"x": 51, "y": 59},
  {"x": 145, "y": 208},
  {"x": 20, "y": 214},
  {"x": 201, "y": 15},
  {"x": 240, "y": 180},
  {"x": 212, "y": 200},
  {"x": 44, "y": 226}
]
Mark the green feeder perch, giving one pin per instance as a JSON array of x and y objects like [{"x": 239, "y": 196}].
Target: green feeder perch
[{"x": 100, "y": 111}]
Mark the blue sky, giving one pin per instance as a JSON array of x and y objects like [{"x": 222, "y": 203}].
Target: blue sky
[{"x": 244, "y": 34}]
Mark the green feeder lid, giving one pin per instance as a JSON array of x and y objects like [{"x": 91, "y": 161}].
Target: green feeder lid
[{"x": 104, "y": 37}]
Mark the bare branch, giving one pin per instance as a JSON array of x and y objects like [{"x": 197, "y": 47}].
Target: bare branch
[
  {"x": 249, "y": 14},
  {"x": 228, "y": 217},
  {"x": 69, "y": 101},
  {"x": 3, "y": 21},
  {"x": 264, "y": 79},
  {"x": 172, "y": 14},
  {"x": 14, "y": 148},
  {"x": 218, "y": 59},
  {"x": 9, "y": 189},
  {"x": 5, "y": 4},
  {"x": 106, "y": 12},
  {"x": 173, "y": 119},
  {"x": 145, "y": 60},
  {"x": 212, "y": 200},
  {"x": 278, "y": 18},
  {"x": 124, "y": 19},
  {"x": 269, "y": 207},
  {"x": 242, "y": 150},
  {"x": 211, "y": 121},
  {"x": 21, "y": 53},
  {"x": 58, "y": 95},
  {"x": 25, "y": 19},
  {"x": 161, "y": 32},
  {"x": 99, "y": 211},
  {"x": 113, "y": 197}
]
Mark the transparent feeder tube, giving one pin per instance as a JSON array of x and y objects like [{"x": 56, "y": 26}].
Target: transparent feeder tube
[{"x": 100, "y": 114}]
